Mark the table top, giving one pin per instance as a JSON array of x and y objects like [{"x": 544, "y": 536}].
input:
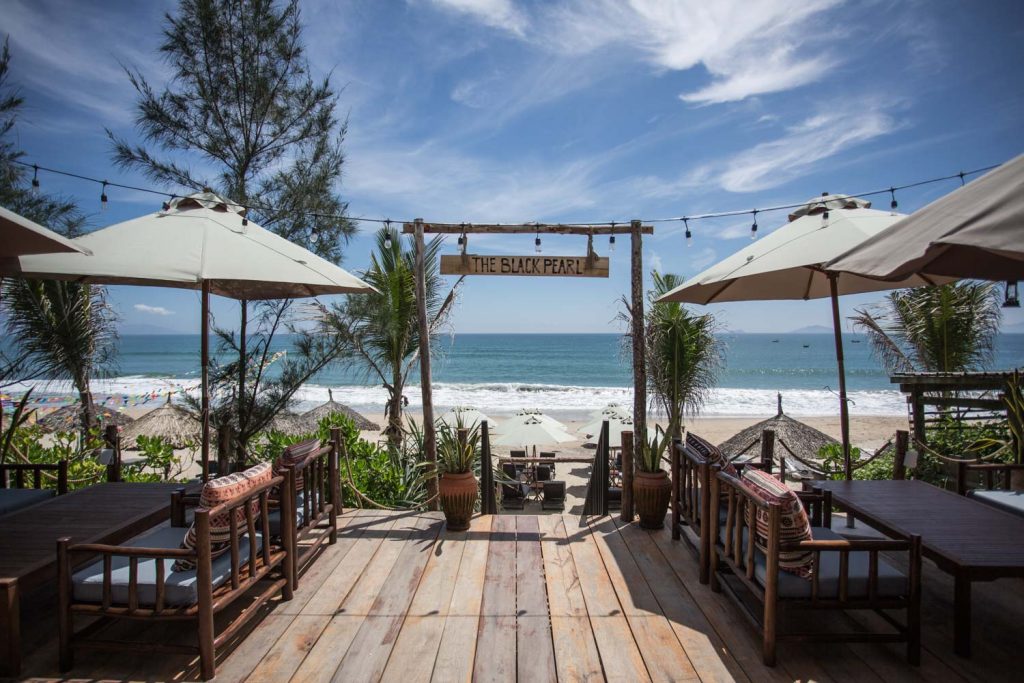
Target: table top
[
  {"x": 955, "y": 531},
  {"x": 104, "y": 513}
]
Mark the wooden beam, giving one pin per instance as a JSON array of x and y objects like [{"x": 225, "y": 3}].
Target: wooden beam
[
  {"x": 640, "y": 442},
  {"x": 429, "y": 432},
  {"x": 525, "y": 229}
]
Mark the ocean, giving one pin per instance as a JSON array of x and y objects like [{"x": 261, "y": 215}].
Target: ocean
[{"x": 568, "y": 373}]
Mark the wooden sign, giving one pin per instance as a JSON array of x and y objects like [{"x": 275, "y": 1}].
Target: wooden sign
[{"x": 539, "y": 265}]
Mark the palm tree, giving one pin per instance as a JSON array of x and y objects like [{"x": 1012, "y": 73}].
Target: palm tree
[
  {"x": 382, "y": 328},
  {"x": 949, "y": 328},
  {"x": 66, "y": 330},
  {"x": 683, "y": 354}
]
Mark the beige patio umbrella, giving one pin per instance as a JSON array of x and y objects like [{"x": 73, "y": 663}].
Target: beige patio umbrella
[
  {"x": 528, "y": 430},
  {"x": 173, "y": 423},
  {"x": 976, "y": 231},
  {"x": 203, "y": 242},
  {"x": 469, "y": 416},
  {"x": 789, "y": 263},
  {"x": 312, "y": 417},
  {"x": 522, "y": 415},
  {"x": 617, "y": 424},
  {"x": 20, "y": 236}
]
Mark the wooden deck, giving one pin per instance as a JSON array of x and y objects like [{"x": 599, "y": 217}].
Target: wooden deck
[{"x": 540, "y": 598}]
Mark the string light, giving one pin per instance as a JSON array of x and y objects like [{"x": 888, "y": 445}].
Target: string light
[
  {"x": 103, "y": 197},
  {"x": 753, "y": 227},
  {"x": 387, "y": 233},
  {"x": 824, "y": 215},
  {"x": 611, "y": 240},
  {"x": 689, "y": 235},
  {"x": 35, "y": 179},
  {"x": 464, "y": 239},
  {"x": 893, "y": 204},
  {"x": 536, "y": 242}
]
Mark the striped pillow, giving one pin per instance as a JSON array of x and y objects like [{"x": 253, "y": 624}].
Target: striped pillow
[
  {"x": 216, "y": 492},
  {"x": 794, "y": 524},
  {"x": 710, "y": 453},
  {"x": 294, "y": 455}
]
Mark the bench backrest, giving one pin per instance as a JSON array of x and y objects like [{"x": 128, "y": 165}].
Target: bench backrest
[{"x": 18, "y": 474}]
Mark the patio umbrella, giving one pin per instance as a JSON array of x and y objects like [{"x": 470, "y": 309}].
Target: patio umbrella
[
  {"x": 976, "y": 231},
  {"x": 22, "y": 236},
  {"x": 530, "y": 431},
  {"x": 533, "y": 412},
  {"x": 790, "y": 264},
  {"x": 470, "y": 416},
  {"x": 203, "y": 242},
  {"x": 290, "y": 423},
  {"x": 312, "y": 417},
  {"x": 610, "y": 411},
  {"x": 68, "y": 418},
  {"x": 616, "y": 425},
  {"x": 173, "y": 423}
]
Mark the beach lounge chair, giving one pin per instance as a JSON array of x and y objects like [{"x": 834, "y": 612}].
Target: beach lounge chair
[
  {"x": 796, "y": 562},
  {"x": 512, "y": 497},
  {"x": 519, "y": 467},
  {"x": 554, "y": 496},
  {"x": 169, "y": 574},
  {"x": 21, "y": 485},
  {"x": 549, "y": 454}
]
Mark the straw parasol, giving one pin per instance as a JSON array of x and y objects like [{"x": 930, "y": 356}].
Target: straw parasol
[
  {"x": 173, "y": 423},
  {"x": 805, "y": 441},
  {"x": 22, "y": 237},
  {"x": 973, "y": 232},
  {"x": 312, "y": 418},
  {"x": 203, "y": 242},
  {"x": 790, "y": 264},
  {"x": 68, "y": 418},
  {"x": 290, "y": 423}
]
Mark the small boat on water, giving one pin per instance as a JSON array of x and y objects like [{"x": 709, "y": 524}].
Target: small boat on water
[
  {"x": 807, "y": 346},
  {"x": 775, "y": 341}
]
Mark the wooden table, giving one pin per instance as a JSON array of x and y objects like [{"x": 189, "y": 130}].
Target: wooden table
[
  {"x": 968, "y": 539},
  {"x": 105, "y": 513}
]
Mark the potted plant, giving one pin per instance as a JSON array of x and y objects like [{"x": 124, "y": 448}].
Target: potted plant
[
  {"x": 652, "y": 488},
  {"x": 457, "y": 486}
]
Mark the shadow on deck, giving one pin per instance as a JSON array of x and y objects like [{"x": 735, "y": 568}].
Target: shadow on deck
[{"x": 539, "y": 598}]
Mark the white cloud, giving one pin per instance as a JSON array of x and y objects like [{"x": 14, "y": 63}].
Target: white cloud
[
  {"x": 500, "y": 14},
  {"x": 152, "y": 310}
]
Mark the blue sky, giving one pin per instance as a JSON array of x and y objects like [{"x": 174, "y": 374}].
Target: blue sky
[{"x": 584, "y": 110}]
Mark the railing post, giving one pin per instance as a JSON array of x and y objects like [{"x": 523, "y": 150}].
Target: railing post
[
  {"x": 113, "y": 441},
  {"x": 627, "y": 477},
  {"x": 332, "y": 473},
  {"x": 674, "y": 473},
  {"x": 768, "y": 450},
  {"x": 488, "y": 504},
  {"x": 899, "y": 462}
]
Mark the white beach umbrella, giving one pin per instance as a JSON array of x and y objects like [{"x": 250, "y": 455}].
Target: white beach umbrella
[
  {"x": 532, "y": 432},
  {"x": 522, "y": 415},
  {"x": 790, "y": 263},
  {"x": 611, "y": 410},
  {"x": 616, "y": 426},
  {"x": 20, "y": 237},
  {"x": 976, "y": 231},
  {"x": 202, "y": 241},
  {"x": 469, "y": 416}
]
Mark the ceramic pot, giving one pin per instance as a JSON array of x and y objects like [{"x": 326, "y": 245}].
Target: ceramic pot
[
  {"x": 458, "y": 498},
  {"x": 651, "y": 494}
]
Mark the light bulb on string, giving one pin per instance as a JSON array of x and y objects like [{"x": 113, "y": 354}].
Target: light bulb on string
[
  {"x": 753, "y": 227},
  {"x": 611, "y": 239},
  {"x": 387, "y": 233},
  {"x": 103, "y": 197},
  {"x": 893, "y": 204},
  {"x": 462, "y": 240},
  {"x": 689, "y": 235},
  {"x": 536, "y": 243},
  {"x": 35, "y": 179},
  {"x": 824, "y": 214}
]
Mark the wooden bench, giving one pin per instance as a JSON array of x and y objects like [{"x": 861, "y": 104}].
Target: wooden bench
[
  {"x": 138, "y": 579},
  {"x": 845, "y": 574},
  {"x": 23, "y": 484},
  {"x": 995, "y": 485}
]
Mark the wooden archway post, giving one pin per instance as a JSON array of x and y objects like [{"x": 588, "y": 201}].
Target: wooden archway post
[
  {"x": 640, "y": 442},
  {"x": 429, "y": 433}
]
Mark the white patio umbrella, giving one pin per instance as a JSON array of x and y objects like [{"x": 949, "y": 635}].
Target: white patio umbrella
[
  {"x": 609, "y": 411},
  {"x": 617, "y": 424},
  {"x": 790, "y": 263},
  {"x": 522, "y": 415},
  {"x": 469, "y": 416},
  {"x": 203, "y": 242},
  {"x": 20, "y": 236},
  {"x": 532, "y": 432},
  {"x": 976, "y": 231}
]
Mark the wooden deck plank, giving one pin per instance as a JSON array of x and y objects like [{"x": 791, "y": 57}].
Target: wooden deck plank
[
  {"x": 496, "y": 641},
  {"x": 370, "y": 649},
  {"x": 456, "y": 652},
  {"x": 710, "y": 657},
  {"x": 535, "y": 654},
  {"x": 576, "y": 656},
  {"x": 620, "y": 656}
]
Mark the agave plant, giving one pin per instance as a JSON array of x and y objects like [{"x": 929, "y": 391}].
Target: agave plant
[{"x": 457, "y": 455}]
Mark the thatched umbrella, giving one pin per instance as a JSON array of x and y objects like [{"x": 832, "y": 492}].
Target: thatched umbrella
[
  {"x": 313, "y": 417},
  {"x": 803, "y": 440},
  {"x": 176, "y": 425},
  {"x": 68, "y": 418},
  {"x": 290, "y": 423}
]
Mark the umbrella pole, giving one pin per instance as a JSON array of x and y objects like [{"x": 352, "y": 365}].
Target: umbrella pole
[
  {"x": 844, "y": 412},
  {"x": 242, "y": 363},
  {"x": 205, "y": 381}
]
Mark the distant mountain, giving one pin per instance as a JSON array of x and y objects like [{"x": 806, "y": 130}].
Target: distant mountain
[
  {"x": 146, "y": 329},
  {"x": 812, "y": 329}
]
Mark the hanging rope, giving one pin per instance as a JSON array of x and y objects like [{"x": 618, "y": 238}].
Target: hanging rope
[{"x": 351, "y": 483}]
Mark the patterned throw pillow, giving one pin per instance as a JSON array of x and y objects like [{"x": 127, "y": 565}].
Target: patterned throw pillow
[
  {"x": 221, "y": 490},
  {"x": 794, "y": 524},
  {"x": 295, "y": 454},
  {"x": 710, "y": 453}
]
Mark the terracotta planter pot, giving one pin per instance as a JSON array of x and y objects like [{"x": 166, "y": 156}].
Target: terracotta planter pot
[
  {"x": 458, "y": 498},
  {"x": 651, "y": 494}
]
